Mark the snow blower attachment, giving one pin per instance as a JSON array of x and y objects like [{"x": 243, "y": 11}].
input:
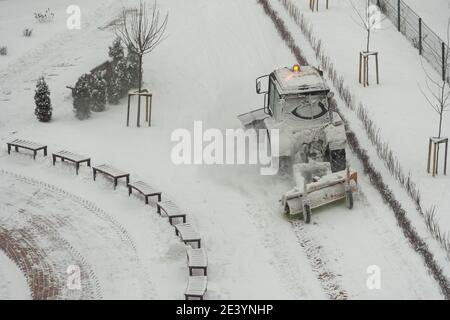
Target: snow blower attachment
[{"x": 312, "y": 137}]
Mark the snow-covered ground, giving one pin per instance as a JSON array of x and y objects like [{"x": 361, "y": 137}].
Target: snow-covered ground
[
  {"x": 397, "y": 105},
  {"x": 434, "y": 13},
  {"x": 13, "y": 284},
  {"x": 204, "y": 70}
]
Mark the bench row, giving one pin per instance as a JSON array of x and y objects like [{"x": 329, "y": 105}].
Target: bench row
[{"x": 197, "y": 259}]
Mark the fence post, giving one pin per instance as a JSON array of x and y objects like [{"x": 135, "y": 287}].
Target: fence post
[
  {"x": 420, "y": 36},
  {"x": 443, "y": 61},
  {"x": 398, "y": 14}
]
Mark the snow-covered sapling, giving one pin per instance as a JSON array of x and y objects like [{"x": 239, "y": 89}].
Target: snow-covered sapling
[
  {"x": 142, "y": 31},
  {"x": 437, "y": 94},
  {"x": 438, "y": 91},
  {"x": 82, "y": 97},
  {"x": 43, "y": 109},
  {"x": 97, "y": 87},
  {"x": 368, "y": 18}
]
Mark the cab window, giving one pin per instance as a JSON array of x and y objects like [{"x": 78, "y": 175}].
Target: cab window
[{"x": 308, "y": 107}]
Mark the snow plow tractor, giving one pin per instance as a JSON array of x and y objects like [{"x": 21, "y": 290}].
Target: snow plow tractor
[{"x": 312, "y": 137}]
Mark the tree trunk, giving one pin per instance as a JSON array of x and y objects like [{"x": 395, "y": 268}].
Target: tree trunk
[
  {"x": 368, "y": 40},
  {"x": 140, "y": 88},
  {"x": 440, "y": 124}
]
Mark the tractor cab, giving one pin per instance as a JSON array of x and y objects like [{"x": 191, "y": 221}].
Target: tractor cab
[
  {"x": 297, "y": 94},
  {"x": 297, "y": 103},
  {"x": 311, "y": 136}
]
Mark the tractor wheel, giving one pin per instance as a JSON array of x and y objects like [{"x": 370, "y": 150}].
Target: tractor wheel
[
  {"x": 307, "y": 213},
  {"x": 349, "y": 199}
]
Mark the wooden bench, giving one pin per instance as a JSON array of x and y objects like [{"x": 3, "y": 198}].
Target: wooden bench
[
  {"x": 188, "y": 234},
  {"x": 196, "y": 288},
  {"x": 72, "y": 157},
  {"x": 197, "y": 259},
  {"x": 171, "y": 210},
  {"x": 112, "y": 172},
  {"x": 146, "y": 190},
  {"x": 25, "y": 144}
]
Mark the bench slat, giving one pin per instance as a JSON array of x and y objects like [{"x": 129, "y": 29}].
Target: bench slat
[
  {"x": 143, "y": 188},
  {"x": 197, "y": 257},
  {"x": 197, "y": 285},
  {"x": 26, "y": 144},
  {"x": 187, "y": 232},
  {"x": 170, "y": 208},
  {"x": 71, "y": 156},
  {"x": 110, "y": 170}
]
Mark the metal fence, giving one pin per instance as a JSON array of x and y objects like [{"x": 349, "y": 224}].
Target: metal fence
[{"x": 428, "y": 43}]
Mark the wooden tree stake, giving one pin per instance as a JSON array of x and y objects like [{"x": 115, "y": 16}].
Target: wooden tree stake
[
  {"x": 364, "y": 67},
  {"x": 433, "y": 155},
  {"x": 148, "y": 105},
  {"x": 314, "y": 5}
]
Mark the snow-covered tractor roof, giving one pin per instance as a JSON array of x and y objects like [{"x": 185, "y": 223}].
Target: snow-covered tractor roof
[{"x": 306, "y": 80}]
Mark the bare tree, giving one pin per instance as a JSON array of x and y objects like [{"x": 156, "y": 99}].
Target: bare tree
[
  {"x": 368, "y": 18},
  {"x": 142, "y": 30},
  {"x": 438, "y": 90}
]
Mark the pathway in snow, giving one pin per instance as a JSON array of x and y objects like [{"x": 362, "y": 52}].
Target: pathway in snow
[
  {"x": 45, "y": 230},
  {"x": 380, "y": 238},
  {"x": 13, "y": 284}
]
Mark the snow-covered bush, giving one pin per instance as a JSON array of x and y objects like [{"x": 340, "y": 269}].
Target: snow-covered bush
[
  {"x": 27, "y": 32},
  {"x": 3, "y": 50},
  {"x": 46, "y": 16},
  {"x": 132, "y": 68},
  {"x": 43, "y": 109},
  {"x": 97, "y": 90},
  {"x": 117, "y": 79},
  {"x": 82, "y": 97},
  {"x": 116, "y": 52},
  {"x": 119, "y": 83}
]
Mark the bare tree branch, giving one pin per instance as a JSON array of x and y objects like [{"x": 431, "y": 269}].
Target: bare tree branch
[{"x": 142, "y": 30}]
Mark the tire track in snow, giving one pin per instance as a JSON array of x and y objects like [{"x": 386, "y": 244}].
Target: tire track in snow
[{"x": 327, "y": 278}]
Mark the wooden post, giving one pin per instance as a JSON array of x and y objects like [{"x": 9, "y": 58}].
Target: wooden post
[
  {"x": 327, "y": 4},
  {"x": 434, "y": 159},
  {"x": 443, "y": 61},
  {"x": 128, "y": 111},
  {"x": 360, "y": 66},
  {"x": 429, "y": 155},
  {"x": 376, "y": 63},
  {"x": 398, "y": 14},
  {"x": 146, "y": 108},
  {"x": 420, "y": 36},
  {"x": 138, "y": 124},
  {"x": 446, "y": 153},
  {"x": 150, "y": 111}
]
